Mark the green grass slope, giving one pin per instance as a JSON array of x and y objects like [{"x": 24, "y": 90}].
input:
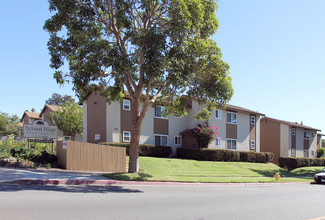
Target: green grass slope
[{"x": 179, "y": 170}]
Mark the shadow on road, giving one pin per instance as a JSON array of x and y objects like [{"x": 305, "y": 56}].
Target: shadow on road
[{"x": 68, "y": 189}]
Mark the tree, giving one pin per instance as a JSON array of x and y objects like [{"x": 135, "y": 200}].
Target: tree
[
  {"x": 152, "y": 50},
  {"x": 5, "y": 121},
  {"x": 59, "y": 100},
  {"x": 69, "y": 120}
]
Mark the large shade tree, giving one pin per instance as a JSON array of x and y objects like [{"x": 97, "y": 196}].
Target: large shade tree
[
  {"x": 151, "y": 50},
  {"x": 57, "y": 99}
]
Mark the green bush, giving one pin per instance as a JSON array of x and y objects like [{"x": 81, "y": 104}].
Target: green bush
[
  {"x": 10, "y": 143},
  {"x": 145, "y": 149},
  {"x": 256, "y": 157},
  {"x": 30, "y": 154},
  {"x": 320, "y": 152},
  {"x": 296, "y": 162},
  {"x": 223, "y": 155}
]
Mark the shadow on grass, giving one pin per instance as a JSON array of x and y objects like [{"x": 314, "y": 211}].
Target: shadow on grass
[
  {"x": 306, "y": 172},
  {"x": 271, "y": 173},
  {"x": 128, "y": 176}
]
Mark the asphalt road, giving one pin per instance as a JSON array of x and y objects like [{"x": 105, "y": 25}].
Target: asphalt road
[{"x": 299, "y": 201}]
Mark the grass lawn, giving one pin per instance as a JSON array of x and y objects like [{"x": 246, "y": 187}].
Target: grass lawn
[{"x": 179, "y": 170}]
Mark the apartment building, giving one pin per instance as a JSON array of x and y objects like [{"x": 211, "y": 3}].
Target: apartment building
[
  {"x": 44, "y": 115},
  {"x": 288, "y": 139},
  {"x": 239, "y": 128},
  {"x": 29, "y": 117}
]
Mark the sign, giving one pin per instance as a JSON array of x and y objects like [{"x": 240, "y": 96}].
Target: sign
[
  {"x": 97, "y": 137},
  {"x": 64, "y": 145},
  {"x": 40, "y": 129},
  {"x": 41, "y": 140}
]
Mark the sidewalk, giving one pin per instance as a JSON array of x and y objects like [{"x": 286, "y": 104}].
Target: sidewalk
[
  {"x": 62, "y": 177},
  {"x": 43, "y": 176}
]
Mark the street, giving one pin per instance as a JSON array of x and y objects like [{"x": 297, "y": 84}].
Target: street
[{"x": 295, "y": 201}]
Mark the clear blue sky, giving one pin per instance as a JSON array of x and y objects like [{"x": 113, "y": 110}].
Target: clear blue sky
[{"x": 275, "y": 50}]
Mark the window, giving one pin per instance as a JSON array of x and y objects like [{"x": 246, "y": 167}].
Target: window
[
  {"x": 253, "y": 145},
  {"x": 253, "y": 120},
  {"x": 293, "y": 131},
  {"x": 306, "y": 134},
  {"x": 312, "y": 153},
  {"x": 231, "y": 118},
  {"x": 126, "y": 104},
  {"x": 306, "y": 153},
  {"x": 158, "y": 112},
  {"x": 218, "y": 114},
  {"x": 161, "y": 140},
  {"x": 231, "y": 144},
  {"x": 177, "y": 141},
  {"x": 293, "y": 152},
  {"x": 67, "y": 138},
  {"x": 313, "y": 134},
  {"x": 126, "y": 136},
  {"x": 218, "y": 142}
]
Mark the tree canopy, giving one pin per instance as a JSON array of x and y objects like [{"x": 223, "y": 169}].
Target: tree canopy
[
  {"x": 59, "y": 100},
  {"x": 69, "y": 120},
  {"x": 8, "y": 120},
  {"x": 156, "y": 50}
]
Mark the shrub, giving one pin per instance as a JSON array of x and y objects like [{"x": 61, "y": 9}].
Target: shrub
[
  {"x": 30, "y": 154},
  {"x": 320, "y": 152},
  {"x": 203, "y": 134},
  {"x": 10, "y": 143},
  {"x": 145, "y": 149},
  {"x": 296, "y": 162},
  {"x": 256, "y": 157},
  {"x": 223, "y": 155}
]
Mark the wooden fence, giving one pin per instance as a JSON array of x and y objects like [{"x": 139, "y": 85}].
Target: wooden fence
[{"x": 90, "y": 157}]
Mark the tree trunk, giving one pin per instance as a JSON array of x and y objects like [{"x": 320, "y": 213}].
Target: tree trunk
[{"x": 134, "y": 150}]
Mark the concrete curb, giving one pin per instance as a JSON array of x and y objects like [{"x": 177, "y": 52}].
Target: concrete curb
[{"x": 118, "y": 182}]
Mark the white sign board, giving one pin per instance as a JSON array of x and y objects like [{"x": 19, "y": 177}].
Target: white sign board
[
  {"x": 40, "y": 129},
  {"x": 97, "y": 137}
]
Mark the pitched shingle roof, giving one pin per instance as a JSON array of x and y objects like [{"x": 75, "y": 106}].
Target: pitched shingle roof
[
  {"x": 51, "y": 107},
  {"x": 292, "y": 124},
  {"x": 32, "y": 115}
]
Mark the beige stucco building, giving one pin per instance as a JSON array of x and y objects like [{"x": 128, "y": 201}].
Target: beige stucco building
[
  {"x": 288, "y": 139},
  {"x": 239, "y": 128}
]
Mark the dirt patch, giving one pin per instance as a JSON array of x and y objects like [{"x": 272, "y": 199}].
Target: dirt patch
[{"x": 14, "y": 162}]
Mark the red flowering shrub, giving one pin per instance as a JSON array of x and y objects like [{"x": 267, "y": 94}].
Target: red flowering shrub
[{"x": 204, "y": 134}]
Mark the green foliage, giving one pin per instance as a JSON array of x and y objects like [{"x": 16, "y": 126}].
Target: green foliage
[
  {"x": 160, "y": 49},
  {"x": 223, "y": 155},
  {"x": 30, "y": 154},
  {"x": 69, "y": 120},
  {"x": 59, "y": 100},
  {"x": 295, "y": 162},
  {"x": 204, "y": 134},
  {"x": 10, "y": 143},
  {"x": 145, "y": 149},
  {"x": 320, "y": 152},
  {"x": 109, "y": 44},
  {"x": 5, "y": 121},
  {"x": 256, "y": 157}
]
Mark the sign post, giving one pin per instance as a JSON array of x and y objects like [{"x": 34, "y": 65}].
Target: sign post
[{"x": 41, "y": 132}]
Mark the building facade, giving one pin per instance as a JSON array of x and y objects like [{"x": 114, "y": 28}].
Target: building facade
[
  {"x": 239, "y": 128},
  {"x": 288, "y": 139}
]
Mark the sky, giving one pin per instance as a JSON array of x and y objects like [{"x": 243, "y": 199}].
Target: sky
[{"x": 275, "y": 50}]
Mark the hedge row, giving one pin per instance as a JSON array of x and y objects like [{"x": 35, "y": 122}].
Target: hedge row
[
  {"x": 296, "y": 162},
  {"x": 145, "y": 149},
  {"x": 223, "y": 155}
]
